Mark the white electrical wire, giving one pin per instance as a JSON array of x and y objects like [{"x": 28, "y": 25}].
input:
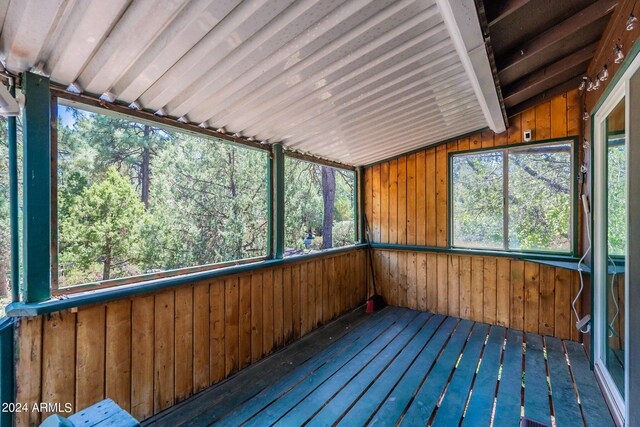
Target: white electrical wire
[
  {"x": 612, "y": 331},
  {"x": 587, "y": 328}
]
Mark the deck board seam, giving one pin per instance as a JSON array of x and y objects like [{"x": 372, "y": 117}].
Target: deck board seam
[
  {"x": 441, "y": 320},
  {"x": 343, "y": 330},
  {"x": 274, "y": 399},
  {"x": 424, "y": 379},
  {"x": 373, "y": 380},
  {"x": 409, "y": 320},
  {"x": 401, "y": 366},
  {"x": 368, "y": 364}
]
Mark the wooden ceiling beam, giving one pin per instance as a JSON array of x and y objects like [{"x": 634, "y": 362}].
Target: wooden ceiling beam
[
  {"x": 506, "y": 8},
  {"x": 614, "y": 25},
  {"x": 570, "y": 84},
  {"x": 538, "y": 81},
  {"x": 559, "y": 32}
]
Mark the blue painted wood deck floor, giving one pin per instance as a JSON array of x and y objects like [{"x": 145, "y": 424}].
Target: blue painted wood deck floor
[{"x": 404, "y": 367}]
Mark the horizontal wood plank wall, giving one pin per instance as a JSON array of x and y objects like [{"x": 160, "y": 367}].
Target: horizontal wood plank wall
[
  {"x": 151, "y": 351},
  {"x": 406, "y": 201}
]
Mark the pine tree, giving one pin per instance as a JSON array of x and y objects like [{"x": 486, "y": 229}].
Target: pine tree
[{"x": 104, "y": 226}]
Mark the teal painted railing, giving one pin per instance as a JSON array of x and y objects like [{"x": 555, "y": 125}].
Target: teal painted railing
[{"x": 7, "y": 371}]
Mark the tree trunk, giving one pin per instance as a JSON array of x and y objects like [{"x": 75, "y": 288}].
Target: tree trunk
[
  {"x": 4, "y": 282},
  {"x": 106, "y": 268},
  {"x": 145, "y": 170},
  {"x": 5, "y": 259},
  {"x": 328, "y": 198},
  {"x": 237, "y": 244}
]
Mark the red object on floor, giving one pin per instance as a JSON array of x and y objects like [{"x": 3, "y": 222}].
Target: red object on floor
[{"x": 370, "y": 306}]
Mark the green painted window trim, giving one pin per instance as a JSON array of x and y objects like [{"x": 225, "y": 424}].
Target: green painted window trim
[
  {"x": 359, "y": 207},
  {"x": 277, "y": 188},
  {"x": 25, "y": 309},
  {"x": 270, "y": 212},
  {"x": 269, "y": 180},
  {"x": 7, "y": 368},
  {"x": 574, "y": 197},
  {"x": 132, "y": 280},
  {"x": 527, "y": 256},
  {"x": 14, "y": 209},
  {"x": 37, "y": 188},
  {"x": 358, "y": 194},
  {"x": 275, "y": 211}
]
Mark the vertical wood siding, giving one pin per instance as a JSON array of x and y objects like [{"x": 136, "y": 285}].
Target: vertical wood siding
[
  {"x": 151, "y": 351},
  {"x": 406, "y": 201},
  {"x": 501, "y": 291}
]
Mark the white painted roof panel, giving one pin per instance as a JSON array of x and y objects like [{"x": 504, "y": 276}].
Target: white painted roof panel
[{"x": 349, "y": 80}]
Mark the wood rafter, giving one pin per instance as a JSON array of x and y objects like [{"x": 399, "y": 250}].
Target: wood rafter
[
  {"x": 569, "y": 84},
  {"x": 556, "y": 34},
  {"x": 538, "y": 81},
  {"x": 506, "y": 8}
]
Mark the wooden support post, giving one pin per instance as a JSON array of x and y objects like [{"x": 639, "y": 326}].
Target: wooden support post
[
  {"x": 13, "y": 204},
  {"x": 359, "y": 205},
  {"x": 37, "y": 188},
  {"x": 278, "y": 200}
]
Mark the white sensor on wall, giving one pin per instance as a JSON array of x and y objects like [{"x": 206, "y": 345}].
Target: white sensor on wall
[{"x": 528, "y": 134}]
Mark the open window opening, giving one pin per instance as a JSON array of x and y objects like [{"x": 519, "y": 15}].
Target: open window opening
[
  {"x": 319, "y": 207},
  {"x": 137, "y": 201}
]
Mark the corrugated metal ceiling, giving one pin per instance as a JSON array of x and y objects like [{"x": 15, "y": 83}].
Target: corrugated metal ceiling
[{"x": 348, "y": 80}]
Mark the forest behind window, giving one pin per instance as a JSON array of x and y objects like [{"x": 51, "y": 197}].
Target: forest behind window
[
  {"x": 136, "y": 199},
  {"x": 515, "y": 199},
  {"x": 616, "y": 195},
  {"x": 319, "y": 210},
  {"x": 5, "y": 226}
]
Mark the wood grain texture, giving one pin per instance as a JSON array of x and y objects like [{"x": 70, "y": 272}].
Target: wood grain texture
[
  {"x": 389, "y": 204},
  {"x": 29, "y": 368},
  {"x": 267, "y": 311},
  {"x": 164, "y": 372},
  {"x": 503, "y": 291},
  {"x": 183, "y": 343},
  {"x": 231, "y": 325},
  {"x": 500, "y": 291},
  {"x": 217, "y": 326},
  {"x": 58, "y": 373},
  {"x": 278, "y": 308},
  {"x": 118, "y": 353},
  {"x": 201, "y": 332},
  {"x": 495, "y": 290},
  {"x": 151, "y": 351},
  {"x": 90, "y": 352},
  {"x": 490, "y": 290},
  {"x": 142, "y": 356}
]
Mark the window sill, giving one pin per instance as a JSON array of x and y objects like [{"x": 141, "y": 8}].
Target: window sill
[
  {"x": 62, "y": 302},
  {"x": 132, "y": 280},
  {"x": 541, "y": 258}
]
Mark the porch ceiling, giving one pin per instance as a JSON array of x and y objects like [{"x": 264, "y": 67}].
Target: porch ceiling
[
  {"x": 543, "y": 48},
  {"x": 353, "y": 81}
]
